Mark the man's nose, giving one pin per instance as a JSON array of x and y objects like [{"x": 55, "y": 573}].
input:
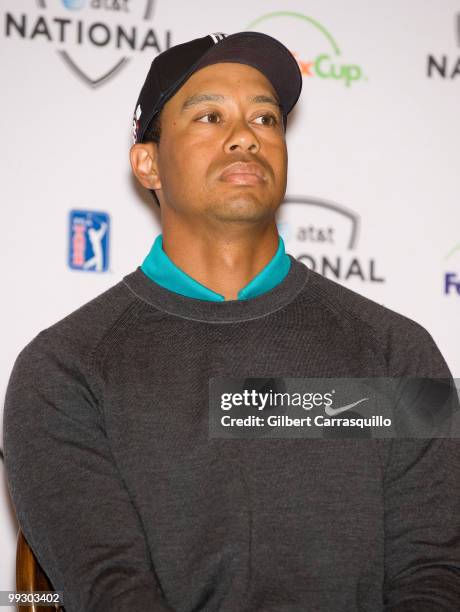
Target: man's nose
[{"x": 242, "y": 137}]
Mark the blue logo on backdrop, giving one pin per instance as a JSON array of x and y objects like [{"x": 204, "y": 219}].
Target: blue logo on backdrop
[
  {"x": 89, "y": 240},
  {"x": 452, "y": 277},
  {"x": 74, "y": 4}
]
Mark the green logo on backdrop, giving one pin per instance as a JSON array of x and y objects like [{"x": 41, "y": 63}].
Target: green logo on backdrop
[{"x": 326, "y": 65}]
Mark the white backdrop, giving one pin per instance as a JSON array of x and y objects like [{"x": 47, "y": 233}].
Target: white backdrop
[{"x": 373, "y": 190}]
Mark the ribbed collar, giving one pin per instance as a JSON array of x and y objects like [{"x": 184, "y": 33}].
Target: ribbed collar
[
  {"x": 227, "y": 311},
  {"x": 163, "y": 271}
]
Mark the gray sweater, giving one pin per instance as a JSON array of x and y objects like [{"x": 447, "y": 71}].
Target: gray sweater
[{"x": 130, "y": 505}]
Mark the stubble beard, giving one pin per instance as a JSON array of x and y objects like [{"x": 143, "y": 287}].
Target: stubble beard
[{"x": 239, "y": 208}]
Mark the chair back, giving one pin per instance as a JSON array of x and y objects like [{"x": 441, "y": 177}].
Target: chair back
[{"x": 30, "y": 576}]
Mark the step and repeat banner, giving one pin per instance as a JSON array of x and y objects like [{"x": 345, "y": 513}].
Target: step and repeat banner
[{"x": 373, "y": 197}]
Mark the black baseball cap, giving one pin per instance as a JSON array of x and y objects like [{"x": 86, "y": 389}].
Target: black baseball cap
[{"x": 170, "y": 69}]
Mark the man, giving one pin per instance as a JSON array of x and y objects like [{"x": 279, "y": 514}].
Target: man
[{"x": 125, "y": 496}]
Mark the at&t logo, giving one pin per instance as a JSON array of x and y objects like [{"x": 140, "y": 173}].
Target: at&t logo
[
  {"x": 324, "y": 236},
  {"x": 94, "y": 38},
  {"x": 445, "y": 66},
  {"x": 111, "y": 5}
]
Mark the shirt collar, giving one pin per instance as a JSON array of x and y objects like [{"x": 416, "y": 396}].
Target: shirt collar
[{"x": 161, "y": 269}]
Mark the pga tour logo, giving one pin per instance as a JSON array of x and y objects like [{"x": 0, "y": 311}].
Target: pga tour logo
[{"x": 89, "y": 240}]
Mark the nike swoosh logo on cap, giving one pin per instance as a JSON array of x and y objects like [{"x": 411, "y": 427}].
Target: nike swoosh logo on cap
[{"x": 333, "y": 411}]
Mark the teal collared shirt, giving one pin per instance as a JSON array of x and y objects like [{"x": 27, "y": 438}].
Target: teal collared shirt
[{"x": 159, "y": 268}]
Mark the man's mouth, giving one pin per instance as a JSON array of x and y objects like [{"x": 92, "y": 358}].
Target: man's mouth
[{"x": 243, "y": 173}]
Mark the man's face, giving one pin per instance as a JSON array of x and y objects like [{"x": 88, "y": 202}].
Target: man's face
[{"x": 222, "y": 150}]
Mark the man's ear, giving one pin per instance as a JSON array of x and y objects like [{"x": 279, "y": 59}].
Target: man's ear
[{"x": 143, "y": 158}]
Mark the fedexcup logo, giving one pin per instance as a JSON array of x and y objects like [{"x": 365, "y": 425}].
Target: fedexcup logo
[
  {"x": 324, "y": 235},
  {"x": 94, "y": 38},
  {"x": 442, "y": 65},
  {"x": 452, "y": 278},
  {"x": 317, "y": 51}
]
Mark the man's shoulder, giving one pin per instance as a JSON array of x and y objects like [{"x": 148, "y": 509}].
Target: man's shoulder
[
  {"x": 348, "y": 304},
  {"x": 407, "y": 346},
  {"x": 80, "y": 332}
]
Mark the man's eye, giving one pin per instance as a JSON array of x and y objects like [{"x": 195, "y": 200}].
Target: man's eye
[
  {"x": 267, "y": 119},
  {"x": 209, "y": 118}
]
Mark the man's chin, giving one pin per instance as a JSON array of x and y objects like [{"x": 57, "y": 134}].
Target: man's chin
[{"x": 243, "y": 207}]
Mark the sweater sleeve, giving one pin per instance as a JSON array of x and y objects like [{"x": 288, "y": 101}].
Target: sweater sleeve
[
  {"x": 69, "y": 497},
  {"x": 422, "y": 501}
]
